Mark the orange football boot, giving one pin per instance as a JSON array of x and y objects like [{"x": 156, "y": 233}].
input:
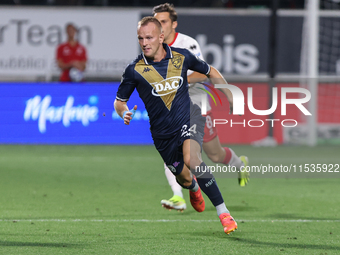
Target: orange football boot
[
  {"x": 196, "y": 199},
  {"x": 228, "y": 223}
]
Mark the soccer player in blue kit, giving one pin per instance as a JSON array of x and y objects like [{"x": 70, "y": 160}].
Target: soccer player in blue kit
[
  {"x": 167, "y": 16},
  {"x": 159, "y": 74}
]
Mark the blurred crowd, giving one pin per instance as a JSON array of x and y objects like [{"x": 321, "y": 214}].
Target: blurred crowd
[{"x": 286, "y": 4}]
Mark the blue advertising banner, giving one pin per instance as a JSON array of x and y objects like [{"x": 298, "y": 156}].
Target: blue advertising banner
[{"x": 68, "y": 113}]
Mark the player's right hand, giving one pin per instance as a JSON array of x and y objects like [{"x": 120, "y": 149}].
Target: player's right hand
[{"x": 128, "y": 115}]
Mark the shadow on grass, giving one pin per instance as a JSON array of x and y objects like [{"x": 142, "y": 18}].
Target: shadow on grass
[
  {"x": 222, "y": 235},
  {"x": 296, "y": 217},
  {"x": 242, "y": 208},
  {"x": 284, "y": 245},
  {"x": 32, "y": 244},
  {"x": 236, "y": 208}
]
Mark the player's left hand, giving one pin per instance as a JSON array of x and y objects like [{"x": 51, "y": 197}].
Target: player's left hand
[{"x": 128, "y": 115}]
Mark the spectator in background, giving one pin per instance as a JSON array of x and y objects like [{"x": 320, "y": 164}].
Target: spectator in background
[{"x": 71, "y": 57}]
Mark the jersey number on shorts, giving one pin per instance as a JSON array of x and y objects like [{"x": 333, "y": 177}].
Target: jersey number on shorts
[{"x": 188, "y": 132}]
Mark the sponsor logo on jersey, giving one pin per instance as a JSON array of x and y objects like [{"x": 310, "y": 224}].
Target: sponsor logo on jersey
[
  {"x": 66, "y": 51},
  {"x": 79, "y": 51},
  {"x": 167, "y": 86}
]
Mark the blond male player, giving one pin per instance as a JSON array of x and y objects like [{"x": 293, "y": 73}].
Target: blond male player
[
  {"x": 167, "y": 16},
  {"x": 159, "y": 74}
]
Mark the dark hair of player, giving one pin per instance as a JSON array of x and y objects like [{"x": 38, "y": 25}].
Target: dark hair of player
[{"x": 170, "y": 8}]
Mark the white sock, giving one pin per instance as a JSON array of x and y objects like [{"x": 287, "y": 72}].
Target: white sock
[
  {"x": 235, "y": 160},
  {"x": 221, "y": 209},
  {"x": 176, "y": 188},
  {"x": 196, "y": 187}
]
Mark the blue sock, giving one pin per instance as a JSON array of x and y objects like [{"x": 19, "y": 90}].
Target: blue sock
[{"x": 208, "y": 185}]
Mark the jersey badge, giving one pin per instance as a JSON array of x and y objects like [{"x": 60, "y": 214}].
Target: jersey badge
[{"x": 177, "y": 61}]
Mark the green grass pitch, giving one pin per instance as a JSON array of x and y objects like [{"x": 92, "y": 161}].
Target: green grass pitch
[{"x": 106, "y": 200}]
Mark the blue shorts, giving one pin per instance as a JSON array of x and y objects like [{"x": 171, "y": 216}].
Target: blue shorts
[{"x": 171, "y": 149}]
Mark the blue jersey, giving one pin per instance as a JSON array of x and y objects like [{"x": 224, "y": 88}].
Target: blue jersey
[{"x": 163, "y": 87}]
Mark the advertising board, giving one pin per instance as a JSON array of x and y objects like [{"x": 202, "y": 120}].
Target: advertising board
[{"x": 55, "y": 113}]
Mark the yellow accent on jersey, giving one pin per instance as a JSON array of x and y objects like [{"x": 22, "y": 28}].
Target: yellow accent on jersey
[{"x": 165, "y": 88}]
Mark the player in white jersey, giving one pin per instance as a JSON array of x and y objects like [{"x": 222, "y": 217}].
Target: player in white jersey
[
  {"x": 189, "y": 43},
  {"x": 167, "y": 16}
]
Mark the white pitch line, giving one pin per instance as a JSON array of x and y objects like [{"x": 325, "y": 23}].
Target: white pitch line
[{"x": 153, "y": 221}]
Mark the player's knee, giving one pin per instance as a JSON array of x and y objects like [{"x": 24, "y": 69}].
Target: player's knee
[
  {"x": 192, "y": 161},
  {"x": 187, "y": 160}
]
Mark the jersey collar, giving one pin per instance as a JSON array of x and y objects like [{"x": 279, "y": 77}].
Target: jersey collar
[
  {"x": 173, "y": 41},
  {"x": 168, "y": 54}
]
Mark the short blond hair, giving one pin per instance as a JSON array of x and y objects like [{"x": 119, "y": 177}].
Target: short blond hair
[{"x": 149, "y": 19}]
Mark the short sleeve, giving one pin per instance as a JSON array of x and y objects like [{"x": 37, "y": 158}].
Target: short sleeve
[
  {"x": 127, "y": 84},
  {"x": 197, "y": 64},
  {"x": 199, "y": 52},
  {"x": 195, "y": 49}
]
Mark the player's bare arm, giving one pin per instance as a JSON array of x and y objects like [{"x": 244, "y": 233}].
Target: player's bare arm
[
  {"x": 81, "y": 65},
  {"x": 62, "y": 65},
  {"x": 216, "y": 78},
  {"x": 121, "y": 108},
  {"x": 196, "y": 77}
]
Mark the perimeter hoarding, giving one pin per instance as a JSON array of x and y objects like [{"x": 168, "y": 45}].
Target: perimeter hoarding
[
  {"x": 83, "y": 113},
  {"x": 234, "y": 41},
  {"x": 29, "y": 37},
  {"x": 54, "y": 113},
  {"x": 238, "y": 43}
]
